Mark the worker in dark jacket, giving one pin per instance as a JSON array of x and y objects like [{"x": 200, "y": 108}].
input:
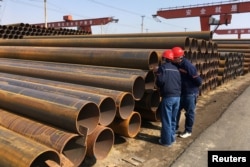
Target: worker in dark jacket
[
  {"x": 168, "y": 81},
  {"x": 191, "y": 82}
]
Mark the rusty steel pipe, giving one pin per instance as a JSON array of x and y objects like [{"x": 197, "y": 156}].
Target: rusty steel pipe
[
  {"x": 201, "y": 45},
  {"x": 149, "y": 101},
  {"x": 231, "y": 46},
  {"x": 150, "y": 115},
  {"x": 131, "y": 83},
  {"x": 231, "y": 41},
  {"x": 100, "y": 142},
  {"x": 106, "y": 104},
  {"x": 147, "y": 75},
  {"x": 71, "y": 145},
  {"x": 65, "y": 112},
  {"x": 124, "y": 100},
  {"x": 233, "y": 50},
  {"x": 125, "y": 58},
  {"x": 17, "y": 150},
  {"x": 129, "y": 127},
  {"x": 206, "y": 35},
  {"x": 140, "y": 42}
]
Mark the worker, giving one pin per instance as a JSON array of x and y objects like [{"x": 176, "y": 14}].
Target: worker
[
  {"x": 168, "y": 81},
  {"x": 191, "y": 82}
]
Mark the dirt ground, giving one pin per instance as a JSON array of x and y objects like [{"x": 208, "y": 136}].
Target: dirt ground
[{"x": 144, "y": 150}]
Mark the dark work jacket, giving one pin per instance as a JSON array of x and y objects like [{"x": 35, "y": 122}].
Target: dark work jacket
[
  {"x": 191, "y": 81},
  {"x": 168, "y": 80}
]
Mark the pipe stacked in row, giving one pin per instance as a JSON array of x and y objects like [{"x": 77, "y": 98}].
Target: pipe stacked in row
[{"x": 18, "y": 31}]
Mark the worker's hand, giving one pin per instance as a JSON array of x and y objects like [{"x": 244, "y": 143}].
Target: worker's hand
[{"x": 155, "y": 69}]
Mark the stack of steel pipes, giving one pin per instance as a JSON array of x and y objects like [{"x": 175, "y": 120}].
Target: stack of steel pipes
[
  {"x": 91, "y": 88},
  {"x": 234, "y": 62},
  {"x": 18, "y": 31}
]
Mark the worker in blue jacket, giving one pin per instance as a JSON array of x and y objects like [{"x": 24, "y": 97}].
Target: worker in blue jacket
[
  {"x": 191, "y": 82},
  {"x": 168, "y": 81}
]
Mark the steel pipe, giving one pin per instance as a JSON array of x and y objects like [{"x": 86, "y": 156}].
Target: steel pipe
[
  {"x": 71, "y": 145},
  {"x": 17, "y": 150},
  {"x": 147, "y": 75},
  {"x": 65, "y": 112},
  {"x": 124, "y": 100},
  {"x": 233, "y": 46},
  {"x": 106, "y": 104},
  {"x": 100, "y": 142},
  {"x": 206, "y": 35},
  {"x": 129, "y": 127},
  {"x": 128, "y": 42},
  {"x": 125, "y": 58},
  {"x": 150, "y": 115},
  {"x": 149, "y": 101},
  {"x": 130, "y": 83}
]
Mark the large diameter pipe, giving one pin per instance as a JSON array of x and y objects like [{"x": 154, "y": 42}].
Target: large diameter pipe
[
  {"x": 235, "y": 46},
  {"x": 17, "y": 150},
  {"x": 234, "y": 50},
  {"x": 205, "y": 35},
  {"x": 75, "y": 115},
  {"x": 71, "y": 145},
  {"x": 140, "y": 42},
  {"x": 147, "y": 75},
  {"x": 124, "y": 100},
  {"x": 130, "y": 83},
  {"x": 100, "y": 142},
  {"x": 106, "y": 104},
  {"x": 149, "y": 101},
  {"x": 129, "y": 127},
  {"x": 125, "y": 58}
]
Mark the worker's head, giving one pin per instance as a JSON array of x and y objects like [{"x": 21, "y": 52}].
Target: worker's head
[
  {"x": 178, "y": 54},
  {"x": 168, "y": 55}
]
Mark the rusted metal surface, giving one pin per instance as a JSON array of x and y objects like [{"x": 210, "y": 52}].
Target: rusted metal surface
[
  {"x": 100, "y": 142},
  {"x": 17, "y": 150},
  {"x": 149, "y": 101},
  {"x": 147, "y": 75},
  {"x": 205, "y": 35},
  {"x": 106, "y": 104},
  {"x": 140, "y": 42},
  {"x": 125, "y": 58},
  {"x": 71, "y": 145},
  {"x": 62, "y": 111},
  {"x": 124, "y": 100},
  {"x": 131, "y": 83},
  {"x": 129, "y": 127}
]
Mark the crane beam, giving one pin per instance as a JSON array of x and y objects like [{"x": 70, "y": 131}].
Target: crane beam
[
  {"x": 77, "y": 23},
  {"x": 195, "y": 11},
  {"x": 233, "y": 31},
  {"x": 206, "y": 11}
]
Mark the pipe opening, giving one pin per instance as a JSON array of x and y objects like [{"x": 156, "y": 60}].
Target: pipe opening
[
  {"x": 88, "y": 117},
  {"x": 134, "y": 125},
  {"x": 103, "y": 143},
  {"x": 138, "y": 88},
  {"x": 153, "y": 60},
  {"x": 46, "y": 157},
  {"x": 75, "y": 150},
  {"x": 107, "y": 111},
  {"x": 126, "y": 105}
]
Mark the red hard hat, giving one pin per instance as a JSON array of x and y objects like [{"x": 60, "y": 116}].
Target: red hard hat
[
  {"x": 178, "y": 52},
  {"x": 168, "y": 54}
]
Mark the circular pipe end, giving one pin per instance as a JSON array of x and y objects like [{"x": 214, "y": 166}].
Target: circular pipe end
[
  {"x": 88, "y": 119},
  {"x": 75, "y": 150},
  {"x": 100, "y": 142},
  {"x": 107, "y": 111}
]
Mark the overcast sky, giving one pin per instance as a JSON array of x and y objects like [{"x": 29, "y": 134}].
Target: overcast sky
[{"x": 131, "y": 14}]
